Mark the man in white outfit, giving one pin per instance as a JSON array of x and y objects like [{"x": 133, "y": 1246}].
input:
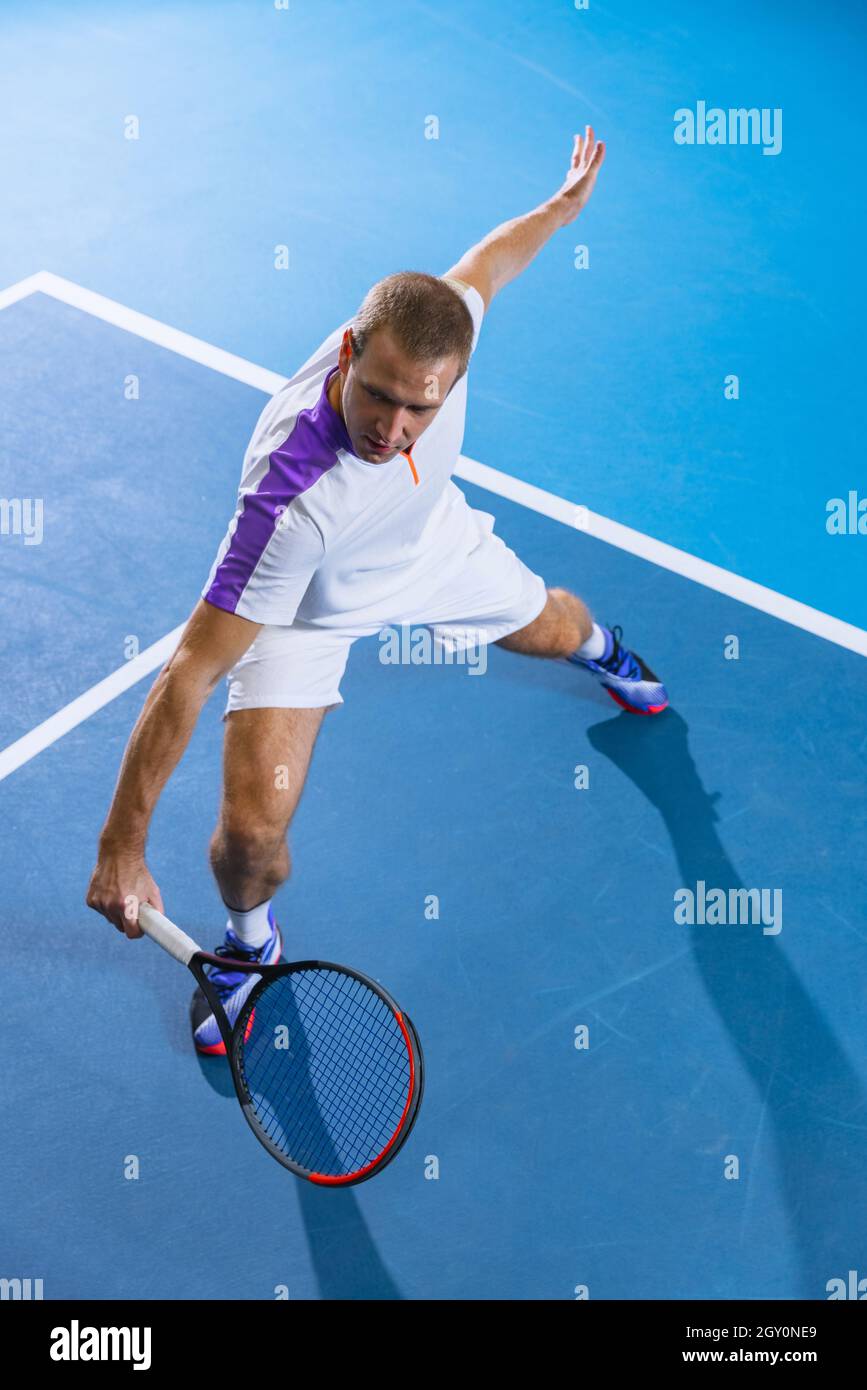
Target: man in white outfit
[{"x": 347, "y": 521}]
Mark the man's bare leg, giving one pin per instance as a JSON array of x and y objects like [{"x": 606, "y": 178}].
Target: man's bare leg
[
  {"x": 266, "y": 755},
  {"x": 563, "y": 625}
]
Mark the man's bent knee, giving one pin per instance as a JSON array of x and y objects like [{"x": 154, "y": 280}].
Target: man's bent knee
[{"x": 247, "y": 843}]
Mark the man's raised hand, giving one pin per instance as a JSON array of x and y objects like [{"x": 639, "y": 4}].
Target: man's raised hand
[{"x": 587, "y": 157}]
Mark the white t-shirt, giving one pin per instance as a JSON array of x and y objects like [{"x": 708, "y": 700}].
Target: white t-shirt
[{"x": 324, "y": 536}]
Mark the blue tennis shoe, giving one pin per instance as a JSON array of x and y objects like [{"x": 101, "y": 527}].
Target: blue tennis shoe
[
  {"x": 232, "y": 987},
  {"x": 627, "y": 678}
]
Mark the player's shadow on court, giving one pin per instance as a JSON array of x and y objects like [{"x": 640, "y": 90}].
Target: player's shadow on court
[{"x": 813, "y": 1098}]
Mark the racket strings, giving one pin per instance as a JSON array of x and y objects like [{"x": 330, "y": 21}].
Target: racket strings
[
  {"x": 327, "y": 1069},
  {"x": 380, "y": 1107},
  {"x": 336, "y": 1116},
  {"x": 344, "y": 1085}
]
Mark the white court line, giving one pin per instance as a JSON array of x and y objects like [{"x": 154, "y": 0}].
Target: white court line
[
  {"x": 23, "y": 288},
  {"x": 110, "y": 311},
  {"x": 50, "y": 730},
  {"x": 680, "y": 562},
  {"x": 667, "y": 557}
]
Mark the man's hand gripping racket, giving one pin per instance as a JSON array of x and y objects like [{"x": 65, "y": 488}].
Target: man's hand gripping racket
[{"x": 327, "y": 1069}]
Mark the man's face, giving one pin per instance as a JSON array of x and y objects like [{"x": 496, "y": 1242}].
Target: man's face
[{"x": 387, "y": 399}]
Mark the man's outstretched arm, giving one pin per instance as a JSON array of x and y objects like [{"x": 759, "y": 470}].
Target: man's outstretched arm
[
  {"x": 210, "y": 644},
  {"x": 509, "y": 248}
]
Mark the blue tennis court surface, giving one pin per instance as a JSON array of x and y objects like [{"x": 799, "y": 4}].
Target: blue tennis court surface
[
  {"x": 557, "y": 1165},
  {"x": 615, "y": 1099}
]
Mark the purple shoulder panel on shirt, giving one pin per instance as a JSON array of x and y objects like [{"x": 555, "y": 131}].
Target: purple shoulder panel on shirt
[{"x": 308, "y": 452}]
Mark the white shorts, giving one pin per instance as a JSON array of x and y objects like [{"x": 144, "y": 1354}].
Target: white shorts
[{"x": 300, "y": 666}]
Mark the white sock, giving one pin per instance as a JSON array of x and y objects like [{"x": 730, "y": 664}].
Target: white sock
[
  {"x": 595, "y": 645},
  {"x": 252, "y": 927}
]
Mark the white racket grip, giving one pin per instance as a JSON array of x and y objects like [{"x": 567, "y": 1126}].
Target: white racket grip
[{"x": 166, "y": 934}]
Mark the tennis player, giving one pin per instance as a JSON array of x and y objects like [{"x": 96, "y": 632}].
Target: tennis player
[{"x": 347, "y": 521}]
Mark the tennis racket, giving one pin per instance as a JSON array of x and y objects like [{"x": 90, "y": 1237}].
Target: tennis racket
[{"x": 327, "y": 1069}]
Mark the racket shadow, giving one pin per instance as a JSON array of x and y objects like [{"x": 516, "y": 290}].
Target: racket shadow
[
  {"x": 217, "y": 1073},
  {"x": 300, "y": 1067},
  {"x": 343, "y": 1252}
]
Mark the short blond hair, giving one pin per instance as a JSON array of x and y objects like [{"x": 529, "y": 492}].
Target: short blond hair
[{"x": 427, "y": 317}]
